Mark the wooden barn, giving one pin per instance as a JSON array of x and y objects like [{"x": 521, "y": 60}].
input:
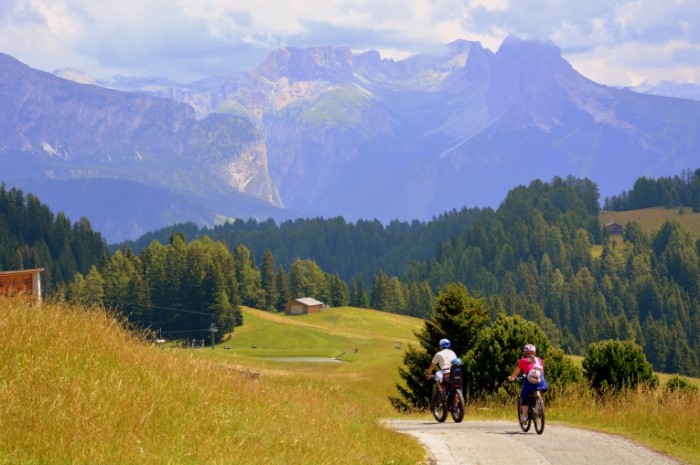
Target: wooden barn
[
  {"x": 27, "y": 282},
  {"x": 614, "y": 228},
  {"x": 302, "y": 306}
]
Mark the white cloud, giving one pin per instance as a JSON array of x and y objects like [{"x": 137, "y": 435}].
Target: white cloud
[
  {"x": 655, "y": 21},
  {"x": 629, "y": 63},
  {"x": 610, "y": 41}
]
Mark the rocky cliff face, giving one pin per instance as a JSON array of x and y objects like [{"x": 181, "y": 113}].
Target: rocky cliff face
[{"x": 52, "y": 128}]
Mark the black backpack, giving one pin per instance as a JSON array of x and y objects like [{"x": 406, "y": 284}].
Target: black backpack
[{"x": 456, "y": 375}]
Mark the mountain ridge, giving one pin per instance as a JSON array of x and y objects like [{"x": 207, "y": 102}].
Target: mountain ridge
[
  {"x": 323, "y": 131},
  {"x": 57, "y": 129}
]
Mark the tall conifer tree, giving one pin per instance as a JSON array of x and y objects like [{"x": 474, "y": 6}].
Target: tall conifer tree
[{"x": 458, "y": 317}]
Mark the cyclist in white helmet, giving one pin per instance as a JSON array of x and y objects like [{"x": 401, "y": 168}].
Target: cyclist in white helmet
[{"x": 442, "y": 359}]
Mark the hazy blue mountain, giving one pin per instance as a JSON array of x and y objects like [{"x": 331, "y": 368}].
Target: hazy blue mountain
[
  {"x": 55, "y": 129},
  {"x": 670, "y": 89},
  {"x": 326, "y": 132},
  {"x": 367, "y": 137}
]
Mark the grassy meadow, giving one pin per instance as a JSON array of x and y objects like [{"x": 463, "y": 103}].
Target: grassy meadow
[
  {"x": 75, "y": 388},
  {"x": 650, "y": 219}
]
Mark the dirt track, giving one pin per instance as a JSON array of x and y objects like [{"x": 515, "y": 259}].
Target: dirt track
[{"x": 500, "y": 443}]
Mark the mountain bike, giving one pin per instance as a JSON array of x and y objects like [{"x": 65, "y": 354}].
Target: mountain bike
[
  {"x": 535, "y": 409},
  {"x": 451, "y": 399}
]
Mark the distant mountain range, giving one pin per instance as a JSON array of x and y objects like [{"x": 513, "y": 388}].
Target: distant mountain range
[
  {"x": 326, "y": 132},
  {"x": 670, "y": 89}
]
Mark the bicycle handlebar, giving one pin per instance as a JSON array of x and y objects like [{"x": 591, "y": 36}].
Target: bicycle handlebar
[{"x": 519, "y": 378}]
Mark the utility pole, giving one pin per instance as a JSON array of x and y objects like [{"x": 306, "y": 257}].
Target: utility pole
[{"x": 213, "y": 330}]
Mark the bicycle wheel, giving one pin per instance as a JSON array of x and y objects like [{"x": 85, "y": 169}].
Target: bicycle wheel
[
  {"x": 524, "y": 426},
  {"x": 438, "y": 406},
  {"x": 538, "y": 414},
  {"x": 458, "y": 406}
]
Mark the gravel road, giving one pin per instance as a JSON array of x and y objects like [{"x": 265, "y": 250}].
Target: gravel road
[{"x": 501, "y": 443}]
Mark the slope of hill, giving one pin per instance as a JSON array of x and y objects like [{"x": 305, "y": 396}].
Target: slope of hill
[
  {"x": 79, "y": 389},
  {"x": 123, "y": 208},
  {"x": 360, "y": 335},
  {"x": 650, "y": 219}
]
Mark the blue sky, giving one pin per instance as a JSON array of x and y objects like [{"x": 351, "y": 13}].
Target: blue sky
[{"x": 614, "y": 42}]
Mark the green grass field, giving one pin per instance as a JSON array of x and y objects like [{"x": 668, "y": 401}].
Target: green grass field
[
  {"x": 650, "y": 219},
  {"x": 76, "y": 388},
  {"x": 368, "y": 345}
]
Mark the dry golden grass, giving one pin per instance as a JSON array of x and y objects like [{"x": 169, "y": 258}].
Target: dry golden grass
[
  {"x": 75, "y": 388},
  {"x": 665, "y": 421}
]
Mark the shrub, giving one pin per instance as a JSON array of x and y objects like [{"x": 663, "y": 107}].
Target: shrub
[
  {"x": 616, "y": 365},
  {"x": 561, "y": 370},
  {"x": 497, "y": 351},
  {"x": 677, "y": 384}
]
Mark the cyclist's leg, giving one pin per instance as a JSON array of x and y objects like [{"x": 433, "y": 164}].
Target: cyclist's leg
[
  {"x": 446, "y": 382},
  {"x": 524, "y": 395},
  {"x": 438, "y": 380}
]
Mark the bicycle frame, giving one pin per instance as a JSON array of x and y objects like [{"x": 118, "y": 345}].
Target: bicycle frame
[
  {"x": 535, "y": 410},
  {"x": 449, "y": 400}
]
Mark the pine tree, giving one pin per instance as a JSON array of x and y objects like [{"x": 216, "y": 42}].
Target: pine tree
[
  {"x": 283, "y": 289},
  {"x": 247, "y": 276},
  {"x": 458, "y": 317},
  {"x": 268, "y": 280},
  {"x": 339, "y": 291},
  {"x": 307, "y": 280}
]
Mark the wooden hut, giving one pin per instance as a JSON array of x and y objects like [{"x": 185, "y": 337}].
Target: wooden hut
[
  {"x": 302, "y": 306},
  {"x": 614, "y": 229},
  {"x": 21, "y": 282}
]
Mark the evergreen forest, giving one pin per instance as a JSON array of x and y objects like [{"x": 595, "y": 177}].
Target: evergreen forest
[
  {"x": 678, "y": 191},
  {"x": 541, "y": 255},
  {"x": 32, "y": 236}
]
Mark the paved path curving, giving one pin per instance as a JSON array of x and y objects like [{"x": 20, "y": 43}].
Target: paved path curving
[{"x": 501, "y": 443}]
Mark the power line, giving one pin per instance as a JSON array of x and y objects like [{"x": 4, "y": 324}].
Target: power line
[
  {"x": 186, "y": 331},
  {"x": 181, "y": 310}
]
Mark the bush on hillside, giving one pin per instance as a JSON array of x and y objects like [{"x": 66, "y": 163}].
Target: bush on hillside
[
  {"x": 611, "y": 366},
  {"x": 560, "y": 373},
  {"x": 561, "y": 370},
  {"x": 497, "y": 351},
  {"x": 680, "y": 385}
]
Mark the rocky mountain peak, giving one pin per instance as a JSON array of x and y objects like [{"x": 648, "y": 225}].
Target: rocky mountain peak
[
  {"x": 333, "y": 64},
  {"x": 326, "y": 132},
  {"x": 531, "y": 62},
  {"x": 531, "y": 83}
]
